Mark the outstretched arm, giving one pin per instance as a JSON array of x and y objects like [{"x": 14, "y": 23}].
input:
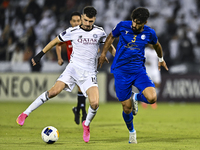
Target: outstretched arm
[
  {"x": 112, "y": 50},
  {"x": 107, "y": 46},
  {"x": 50, "y": 45},
  {"x": 58, "y": 52},
  {"x": 158, "y": 49}
]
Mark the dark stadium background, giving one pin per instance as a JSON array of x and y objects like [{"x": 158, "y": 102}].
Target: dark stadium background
[{"x": 28, "y": 25}]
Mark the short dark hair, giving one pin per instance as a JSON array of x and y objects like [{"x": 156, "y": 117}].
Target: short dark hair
[
  {"x": 76, "y": 13},
  {"x": 90, "y": 11},
  {"x": 141, "y": 14}
]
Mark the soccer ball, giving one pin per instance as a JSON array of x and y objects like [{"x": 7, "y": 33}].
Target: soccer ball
[{"x": 50, "y": 134}]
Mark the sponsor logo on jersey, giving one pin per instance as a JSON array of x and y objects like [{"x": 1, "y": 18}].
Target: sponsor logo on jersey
[
  {"x": 87, "y": 41},
  {"x": 126, "y": 32}
]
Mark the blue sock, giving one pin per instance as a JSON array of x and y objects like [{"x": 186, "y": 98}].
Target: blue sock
[
  {"x": 128, "y": 118},
  {"x": 140, "y": 97}
]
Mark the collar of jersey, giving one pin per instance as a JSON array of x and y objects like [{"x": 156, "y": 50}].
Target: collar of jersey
[{"x": 85, "y": 29}]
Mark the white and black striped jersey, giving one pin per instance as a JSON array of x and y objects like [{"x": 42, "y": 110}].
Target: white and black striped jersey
[{"x": 85, "y": 45}]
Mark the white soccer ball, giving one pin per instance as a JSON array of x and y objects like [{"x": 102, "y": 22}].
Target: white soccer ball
[{"x": 50, "y": 134}]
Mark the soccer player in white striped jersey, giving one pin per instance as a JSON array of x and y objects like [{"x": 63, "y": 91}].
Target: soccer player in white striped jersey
[
  {"x": 75, "y": 20},
  {"x": 82, "y": 69}
]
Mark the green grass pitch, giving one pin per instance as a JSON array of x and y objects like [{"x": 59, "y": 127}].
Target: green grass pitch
[{"x": 169, "y": 127}]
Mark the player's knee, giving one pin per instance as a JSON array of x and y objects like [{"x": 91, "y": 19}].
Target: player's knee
[
  {"x": 152, "y": 99},
  {"x": 94, "y": 105},
  {"x": 127, "y": 109}
]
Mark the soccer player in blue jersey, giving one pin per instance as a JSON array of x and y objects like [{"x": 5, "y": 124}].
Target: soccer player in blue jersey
[{"x": 128, "y": 66}]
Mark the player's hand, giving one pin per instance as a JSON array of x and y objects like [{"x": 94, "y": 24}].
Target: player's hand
[
  {"x": 163, "y": 63},
  {"x": 106, "y": 59},
  {"x": 101, "y": 60},
  {"x": 36, "y": 59},
  {"x": 33, "y": 62},
  {"x": 60, "y": 62}
]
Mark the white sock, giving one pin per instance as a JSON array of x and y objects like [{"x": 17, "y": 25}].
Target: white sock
[
  {"x": 35, "y": 104},
  {"x": 90, "y": 115}
]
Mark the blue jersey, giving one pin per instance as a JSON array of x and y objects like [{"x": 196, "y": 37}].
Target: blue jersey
[{"x": 129, "y": 57}]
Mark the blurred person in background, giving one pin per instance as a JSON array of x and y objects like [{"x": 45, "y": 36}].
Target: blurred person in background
[
  {"x": 17, "y": 55},
  {"x": 45, "y": 26},
  {"x": 128, "y": 66},
  {"x": 12, "y": 42},
  {"x": 186, "y": 52},
  {"x": 17, "y": 27},
  {"x": 81, "y": 70},
  {"x": 75, "y": 20}
]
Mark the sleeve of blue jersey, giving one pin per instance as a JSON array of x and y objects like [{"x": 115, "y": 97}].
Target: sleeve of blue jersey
[
  {"x": 116, "y": 30},
  {"x": 154, "y": 38}
]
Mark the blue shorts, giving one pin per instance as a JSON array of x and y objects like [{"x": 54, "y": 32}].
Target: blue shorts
[{"x": 124, "y": 82}]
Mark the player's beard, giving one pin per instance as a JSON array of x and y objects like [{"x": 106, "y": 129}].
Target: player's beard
[
  {"x": 88, "y": 27},
  {"x": 137, "y": 30}
]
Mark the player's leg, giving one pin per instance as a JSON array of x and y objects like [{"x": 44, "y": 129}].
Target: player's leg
[
  {"x": 56, "y": 89},
  {"x": 81, "y": 101},
  {"x": 128, "y": 118},
  {"x": 148, "y": 95},
  {"x": 157, "y": 88},
  {"x": 89, "y": 88},
  {"x": 123, "y": 87},
  {"x": 93, "y": 96},
  {"x": 146, "y": 87},
  {"x": 156, "y": 78},
  {"x": 80, "y": 105}
]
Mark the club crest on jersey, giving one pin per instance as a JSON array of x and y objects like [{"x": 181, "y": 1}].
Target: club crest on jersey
[
  {"x": 94, "y": 35},
  {"x": 143, "y": 37},
  {"x": 63, "y": 33}
]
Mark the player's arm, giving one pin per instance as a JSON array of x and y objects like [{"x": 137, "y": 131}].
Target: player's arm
[
  {"x": 112, "y": 50},
  {"x": 106, "y": 47},
  {"x": 158, "y": 49},
  {"x": 50, "y": 45},
  {"x": 58, "y": 52}
]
